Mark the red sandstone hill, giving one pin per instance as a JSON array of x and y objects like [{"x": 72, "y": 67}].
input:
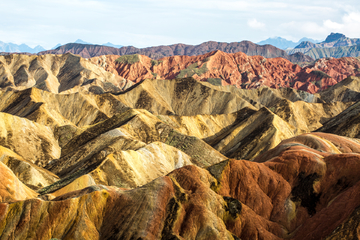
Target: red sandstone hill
[
  {"x": 237, "y": 69},
  {"x": 247, "y": 47}
]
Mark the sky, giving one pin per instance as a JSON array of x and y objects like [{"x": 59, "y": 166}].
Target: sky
[{"x": 145, "y": 23}]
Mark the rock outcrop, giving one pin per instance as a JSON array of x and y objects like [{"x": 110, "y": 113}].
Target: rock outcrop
[{"x": 237, "y": 69}]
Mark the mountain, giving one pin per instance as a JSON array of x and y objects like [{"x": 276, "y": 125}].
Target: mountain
[
  {"x": 79, "y": 41},
  {"x": 337, "y": 52},
  {"x": 333, "y": 37},
  {"x": 309, "y": 40},
  {"x": 112, "y": 45},
  {"x": 249, "y": 48},
  {"x": 235, "y": 69},
  {"x": 346, "y": 123},
  {"x": 306, "y": 44},
  {"x": 283, "y": 43},
  {"x": 175, "y": 158},
  {"x": 57, "y": 73},
  {"x": 38, "y": 48},
  {"x": 334, "y": 40},
  {"x": 14, "y": 48},
  {"x": 57, "y": 45},
  {"x": 335, "y": 45},
  {"x": 114, "y": 73},
  {"x": 278, "y": 42},
  {"x": 83, "y": 50}
]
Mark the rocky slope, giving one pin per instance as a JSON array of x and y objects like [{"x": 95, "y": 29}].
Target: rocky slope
[
  {"x": 346, "y": 123},
  {"x": 336, "y": 52},
  {"x": 56, "y": 73},
  {"x": 247, "y": 47},
  {"x": 237, "y": 69},
  {"x": 336, "y": 45},
  {"x": 176, "y": 158},
  {"x": 113, "y": 73},
  {"x": 283, "y": 43},
  {"x": 333, "y": 40},
  {"x": 283, "y": 197}
]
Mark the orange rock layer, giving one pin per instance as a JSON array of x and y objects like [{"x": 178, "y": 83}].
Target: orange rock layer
[{"x": 236, "y": 69}]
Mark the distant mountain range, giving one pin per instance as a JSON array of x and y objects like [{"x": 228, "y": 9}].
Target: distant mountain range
[
  {"x": 23, "y": 48},
  {"x": 247, "y": 47},
  {"x": 57, "y": 45},
  {"x": 333, "y": 40},
  {"x": 79, "y": 41},
  {"x": 335, "y": 45},
  {"x": 283, "y": 43},
  {"x": 11, "y": 47},
  {"x": 109, "y": 44},
  {"x": 305, "y": 50}
]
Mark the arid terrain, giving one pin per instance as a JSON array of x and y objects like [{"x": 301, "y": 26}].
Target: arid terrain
[
  {"x": 212, "y": 146},
  {"x": 69, "y": 73}
]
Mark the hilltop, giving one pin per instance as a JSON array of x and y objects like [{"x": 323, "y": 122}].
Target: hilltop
[{"x": 114, "y": 73}]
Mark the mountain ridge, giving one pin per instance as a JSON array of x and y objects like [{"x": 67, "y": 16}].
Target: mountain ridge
[
  {"x": 335, "y": 45},
  {"x": 11, "y": 47},
  {"x": 284, "y": 44},
  {"x": 249, "y": 48},
  {"x": 234, "y": 69},
  {"x": 114, "y": 73}
]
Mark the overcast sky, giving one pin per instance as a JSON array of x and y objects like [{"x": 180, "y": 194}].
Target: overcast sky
[{"x": 143, "y": 23}]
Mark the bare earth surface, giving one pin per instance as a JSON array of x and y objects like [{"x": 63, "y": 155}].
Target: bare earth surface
[{"x": 88, "y": 151}]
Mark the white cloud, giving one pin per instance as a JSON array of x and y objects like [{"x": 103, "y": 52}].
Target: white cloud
[
  {"x": 351, "y": 24},
  {"x": 348, "y": 23},
  {"x": 333, "y": 26},
  {"x": 253, "y": 23}
]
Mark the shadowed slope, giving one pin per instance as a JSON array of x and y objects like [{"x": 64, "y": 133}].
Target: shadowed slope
[
  {"x": 128, "y": 150},
  {"x": 11, "y": 188},
  {"x": 28, "y": 173},
  {"x": 345, "y": 91},
  {"x": 181, "y": 97},
  {"x": 302, "y": 189},
  {"x": 345, "y": 124},
  {"x": 57, "y": 73},
  {"x": 32, "y": 141}
]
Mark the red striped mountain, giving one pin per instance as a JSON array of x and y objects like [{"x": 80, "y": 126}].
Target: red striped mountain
[{"x": 238, "y": 69}]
